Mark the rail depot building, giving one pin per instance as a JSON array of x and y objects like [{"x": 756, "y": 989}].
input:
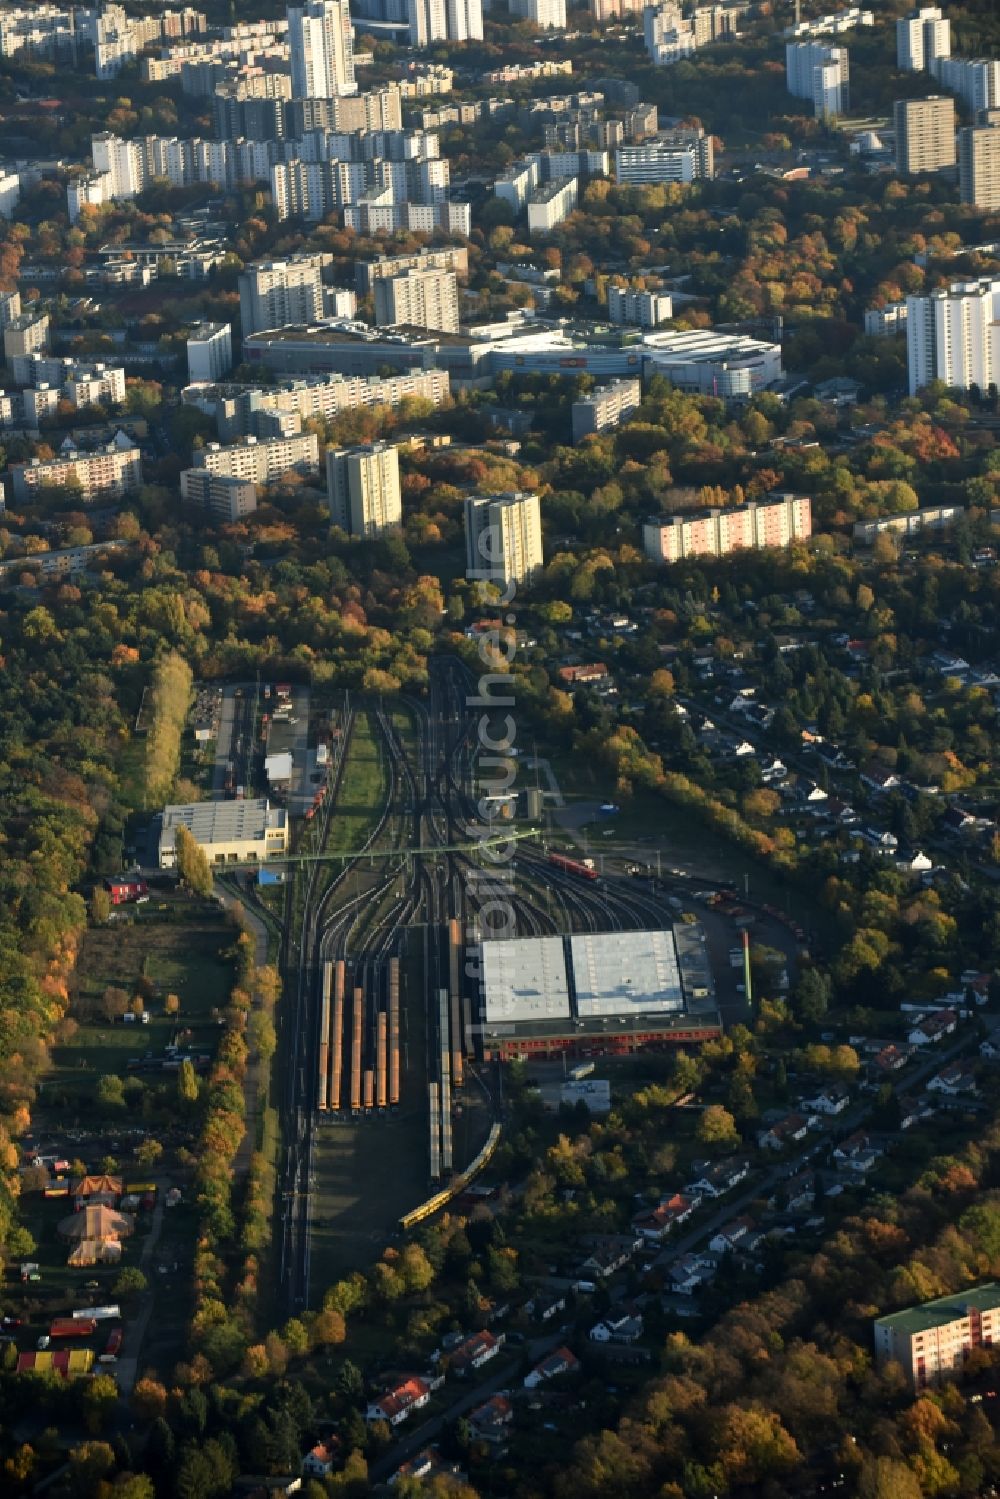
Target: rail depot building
[
  {"x": 237, "y": 832},
  {"x": 595, "y": 992}
]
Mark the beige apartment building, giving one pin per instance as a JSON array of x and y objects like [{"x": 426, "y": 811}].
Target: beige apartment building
[
  {"x": 979, "y": 166},
  {"x": 222, "y": 495},
  {"x": 503, "y": 538},
  {"x": 110, "y": 473},
  {"x": 925, "y": 135},
  {"x": 275, "y": 293},
  {"x": 261, "y": 461},
  {"x": 363, "y": 488},
  {"x": 606, "y": 407},
  {"x": 933, "y": 1341},
  {"x": 776, "y": 521},
  {"x": 422, "y": 299}
]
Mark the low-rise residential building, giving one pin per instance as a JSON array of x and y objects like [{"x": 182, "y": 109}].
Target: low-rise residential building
[
  {"x": 914, "y": 1110},
  {"x": 800, "y": 1191},
  {"x": 556, "y": 1364},
  {"x": 830, "y": 1101},
  {"x": 738, "y": 1234},
  {"x": 908, "y": 522},
  {"x": 474, "y": 1352},
  {"x": 398, "y": 1402},
  {"x": 584, "y": 675},
  {"x": 879, "y": 779},
  {"x": 690, "y": 1272},
  {"x": 717, "y": 1179},
  {"x": 931, "y": 1029},
  {"x": 783, "y": 1132},
  {"x": 319, "y": 1460},
  {"x": 892, "y": 1058},
  {"x": 958, "y": 1077},
  {"x": 66, "y": 562},
  {"x": 856, "y": 1154},
  {"x": 491, "y": 1420},
  {"x": 655, "y": 1223},
  {"x": 626, "y": 1328},
  {"x": 608, "y": 1258},
  {"x": 543, "y": 1307},
  {"x": 958, "y": 820},
  {"x": 932, "y": 1342},
  {"x": 428, "y": 1464},
  {"x": 124, "y": 891}
]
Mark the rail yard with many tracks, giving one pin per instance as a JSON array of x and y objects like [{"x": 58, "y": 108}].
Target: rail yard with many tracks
[{"x": 391, "y": 1087}]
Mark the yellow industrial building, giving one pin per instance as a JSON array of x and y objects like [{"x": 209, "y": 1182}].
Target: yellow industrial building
[{"x": 230, "y": 832}]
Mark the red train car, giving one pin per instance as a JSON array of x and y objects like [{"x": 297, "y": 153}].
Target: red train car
[{"x": 573, "y": 866}]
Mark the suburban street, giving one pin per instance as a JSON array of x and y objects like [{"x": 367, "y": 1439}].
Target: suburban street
[
  {"x": 415, "y": 1440},
  {"x": 733, "y": 1204}
]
